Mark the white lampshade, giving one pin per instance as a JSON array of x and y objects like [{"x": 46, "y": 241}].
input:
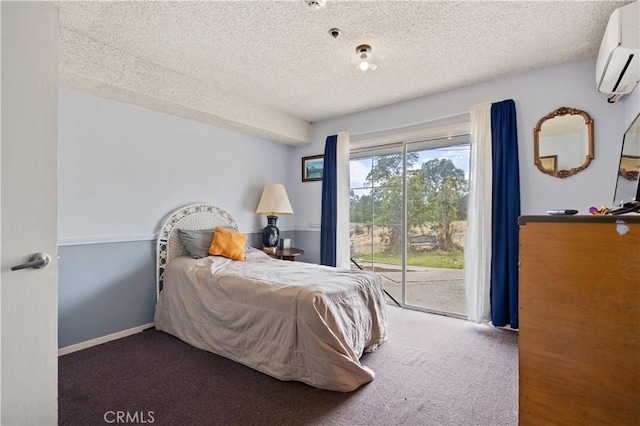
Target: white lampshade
[{"x": 274, "y": 201}]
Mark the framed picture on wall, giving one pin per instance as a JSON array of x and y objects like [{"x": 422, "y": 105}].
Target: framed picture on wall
[
  {"x": 312, "y": 168},
  {"x": 629, "y": 167},
  {"x": 630, "y": 163},
  {"x": 550, "y": 162}
]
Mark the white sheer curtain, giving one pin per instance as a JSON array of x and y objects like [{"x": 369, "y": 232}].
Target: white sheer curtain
[
  {"x": 343, "y": 245},
  {"x": 477, "y": 259}
]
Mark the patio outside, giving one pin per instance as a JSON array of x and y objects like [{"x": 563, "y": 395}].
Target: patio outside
[
  {"x": 433, "y": 288},
  {"x": 410, "y": 199}
]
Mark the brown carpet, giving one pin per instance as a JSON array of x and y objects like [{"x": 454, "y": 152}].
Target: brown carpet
[{"x": 433, "y": 370}]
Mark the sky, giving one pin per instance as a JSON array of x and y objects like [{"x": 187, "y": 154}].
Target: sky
[{"x": 459, "y": 154}]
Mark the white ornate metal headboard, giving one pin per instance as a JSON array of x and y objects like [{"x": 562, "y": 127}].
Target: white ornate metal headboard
[{"x": 191, "y": 217}]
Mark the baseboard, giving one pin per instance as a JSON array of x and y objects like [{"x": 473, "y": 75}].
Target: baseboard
[{"x": 103, "y": 339}]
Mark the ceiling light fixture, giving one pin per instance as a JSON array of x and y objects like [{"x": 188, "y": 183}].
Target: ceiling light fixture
[
  {"x": 314, "y": 4},
  {"x": 363, "y": 58}
]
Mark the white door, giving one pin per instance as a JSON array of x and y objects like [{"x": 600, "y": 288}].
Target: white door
[{"x": 28, "y": 212}]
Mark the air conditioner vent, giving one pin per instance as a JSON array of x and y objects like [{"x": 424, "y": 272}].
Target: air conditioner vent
[{"x": 618, "y": 64}]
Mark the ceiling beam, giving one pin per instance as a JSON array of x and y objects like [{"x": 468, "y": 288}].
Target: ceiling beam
[{"x": 90, "y": 66}]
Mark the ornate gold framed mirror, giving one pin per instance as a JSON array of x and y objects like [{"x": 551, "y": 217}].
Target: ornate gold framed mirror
[{"x": 563, "y": 142}]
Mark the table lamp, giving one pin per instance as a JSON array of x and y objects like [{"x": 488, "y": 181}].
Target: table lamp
[{"x": 274, "y": 202}]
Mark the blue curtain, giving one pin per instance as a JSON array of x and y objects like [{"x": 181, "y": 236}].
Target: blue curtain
[
  {"x": 328, "y": 223},
  {"x": 506, "y": 209}
]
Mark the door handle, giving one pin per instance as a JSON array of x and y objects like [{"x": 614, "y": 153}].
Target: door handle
[{"x": 37, "y": 261}]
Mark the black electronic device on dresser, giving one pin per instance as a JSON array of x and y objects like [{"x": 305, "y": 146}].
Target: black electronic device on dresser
[{"x": 627, "y": 195}]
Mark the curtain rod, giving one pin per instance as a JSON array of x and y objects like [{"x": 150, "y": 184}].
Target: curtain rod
[{"x": 446, "y": 117}]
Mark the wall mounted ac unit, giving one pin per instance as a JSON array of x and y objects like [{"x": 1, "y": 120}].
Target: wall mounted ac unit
[{"x": 618, "y": 64}]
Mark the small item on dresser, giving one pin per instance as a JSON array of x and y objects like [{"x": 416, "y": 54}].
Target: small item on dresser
[
  {"x": 599, "y": 211},
  {"x": 285, "y": 243},
  {"x": 562, "y": 212}
]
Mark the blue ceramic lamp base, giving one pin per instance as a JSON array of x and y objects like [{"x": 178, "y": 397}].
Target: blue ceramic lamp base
[{"x": 271, "y": 233}]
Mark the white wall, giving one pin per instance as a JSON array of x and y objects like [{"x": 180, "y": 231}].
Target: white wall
[
  {"x": 535, "y": 93},
  {"x": 122, "y": 169},
  {"x": 632, "y": 106}
]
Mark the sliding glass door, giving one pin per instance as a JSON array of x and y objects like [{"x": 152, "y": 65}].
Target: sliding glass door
[
  {"x": 376, "y": 213},
  {"x": 437, "y": 192},
  {"x": 408, "y": 218}
]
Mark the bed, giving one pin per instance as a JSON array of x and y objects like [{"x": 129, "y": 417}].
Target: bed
[{"x": 290, "y": 320}]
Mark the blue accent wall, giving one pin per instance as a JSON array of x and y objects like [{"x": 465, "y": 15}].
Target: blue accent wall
[
  {"x": 309, "y": 241},
  {"x": 104, "y": 289},
  {"x": 109, "y": 287}
]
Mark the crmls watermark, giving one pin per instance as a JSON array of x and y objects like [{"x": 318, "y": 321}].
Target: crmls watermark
[{"x": 123, "y": 417}]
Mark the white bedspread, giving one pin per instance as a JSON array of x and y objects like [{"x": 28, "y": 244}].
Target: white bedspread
[{"x": 291, "y": 320}]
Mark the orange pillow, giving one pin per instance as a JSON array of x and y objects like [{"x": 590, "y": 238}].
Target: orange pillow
[{"x": 228, "y": 243}]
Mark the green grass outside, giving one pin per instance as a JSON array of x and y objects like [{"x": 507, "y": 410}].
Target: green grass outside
[{"x": 435, "y": 259}]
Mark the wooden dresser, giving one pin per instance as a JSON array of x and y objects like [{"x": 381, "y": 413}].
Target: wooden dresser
[{"x": 579, "y": 341}]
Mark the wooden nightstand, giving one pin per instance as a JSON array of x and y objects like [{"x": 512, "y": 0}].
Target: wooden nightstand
[{"x": 285, "y": 254}]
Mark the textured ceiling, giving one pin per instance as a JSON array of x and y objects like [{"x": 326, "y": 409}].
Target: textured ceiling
[{"x": 271, "y": 68}]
